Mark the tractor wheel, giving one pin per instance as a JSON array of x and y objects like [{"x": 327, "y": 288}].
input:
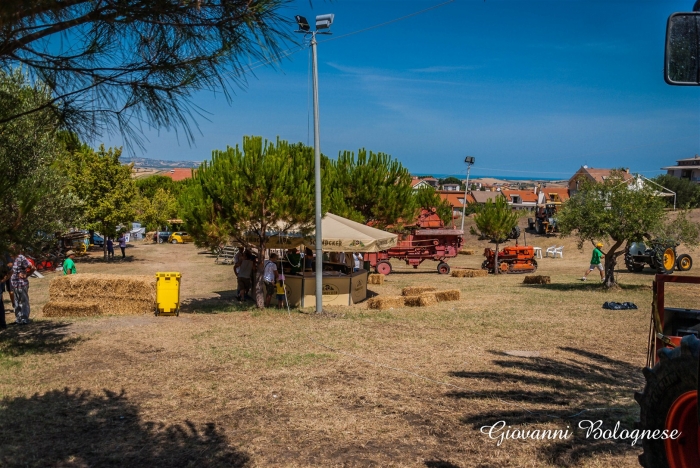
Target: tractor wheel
[
  {"x": 485, "y": 265},
  {"x": 383, "y": 268},
  {"x": 668, "y": 402},
  {"x": 174, "y": 241},
  {"x": 684, "y": 262},
  {"x": 667, "y": 261},
  {"x": 540, "y": 229},
  {"x": 514, "y": 233},
  {"x": 443, "y": 268}
]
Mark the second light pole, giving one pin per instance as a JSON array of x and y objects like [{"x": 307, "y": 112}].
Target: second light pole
[
  {"x": 322, "y": 22},
  {"x": 469, "y": 160}
]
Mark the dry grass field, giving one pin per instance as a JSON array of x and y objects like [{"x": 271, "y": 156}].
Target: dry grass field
[{"x": 226, "y": 385}]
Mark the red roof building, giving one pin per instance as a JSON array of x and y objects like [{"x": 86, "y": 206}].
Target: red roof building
[
  {"x": 179, "y": 174},
  {"x": 594, "y": 175}
]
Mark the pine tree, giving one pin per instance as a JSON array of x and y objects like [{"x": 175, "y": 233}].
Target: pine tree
[
  {"x": 495, "y": 221},
  {"x": 245, "y": 192}
]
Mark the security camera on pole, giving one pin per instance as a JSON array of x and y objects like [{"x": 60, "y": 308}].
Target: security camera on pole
[
  {"x": 322, "y": 22},
  {"x": 469, "y": 160}
]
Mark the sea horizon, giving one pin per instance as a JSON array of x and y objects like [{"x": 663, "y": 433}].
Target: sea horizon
[{"x": 481, "y": 176}]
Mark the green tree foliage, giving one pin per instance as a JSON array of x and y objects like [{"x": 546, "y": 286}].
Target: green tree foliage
[
  {"x": 495, "y": 221},
  {"x": 115, "y": 64},
  {"x": 373, "y": 187},
  {"x": 104, "y": 186},
  {"x": 155, "y": 211},
  {"x": 247, "y": 192},
  {"x": 450, "y": 180},
  {"x": 427, "y": 197},
  {"x": 611, "y": 209},
  {"x": 34, "y": 199},
  {"x": 148, "y": 186},
  {"x": 687, "y": 192}
]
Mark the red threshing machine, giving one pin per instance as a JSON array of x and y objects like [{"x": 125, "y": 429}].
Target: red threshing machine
[{"x": 428, "y": 239}]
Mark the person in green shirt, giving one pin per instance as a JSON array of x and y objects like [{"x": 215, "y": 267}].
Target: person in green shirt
[
  {"x": 595, "y": 262},
  {"x": 294, "y": 259},
  {"x": 69, "y": 264}
]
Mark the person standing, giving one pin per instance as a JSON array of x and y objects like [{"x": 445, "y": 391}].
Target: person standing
[
  {"x": 21, "y": 270},
  {"x": 357, "y": 261},
  {"x": 281, "y": 294},
  {"x": 270, "y": 277},
  {"x": 5, "y": 273},
  {"x": 245, "y": 273},
  {"x": 110, "y": 249},
  {"x": 294, "y": 259},
  {"x": 595, "y": 262},
  {"x": 122, "y": 244},
  {"x": 69, "y": 264}
]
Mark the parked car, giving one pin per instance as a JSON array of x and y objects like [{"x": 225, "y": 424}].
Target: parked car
[
  {"x": 179, "y": 238},
  {"x": 161, "y": 237}
]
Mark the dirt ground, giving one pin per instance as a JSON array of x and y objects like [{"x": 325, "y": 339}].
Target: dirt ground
[{"x": 227, "y": 385}]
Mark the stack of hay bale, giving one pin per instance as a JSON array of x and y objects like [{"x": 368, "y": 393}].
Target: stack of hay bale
[
  {"x": 537, "y": 279},
  {"x": 94, "y": 294},
  {"x": 414, "y": 296},
  {"x": 466, "y": 252},
  {"x": 469, "y": 273},
  {"x": 375, "y": 278}
]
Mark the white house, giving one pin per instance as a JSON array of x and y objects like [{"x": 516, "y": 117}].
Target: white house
[{"x": 688, "y": 168}]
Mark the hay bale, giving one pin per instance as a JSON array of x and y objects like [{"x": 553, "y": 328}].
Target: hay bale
[
  {"x": 467, "y": 252},
  {"x": 386, "y": 302},
  {"x": 469, "y": 273},
  {"x": 416, "y": 290},
  {"x": 537, "y": 279},
  {"x": 447, "y": 295},
  {"x": 424, "y": 300},
  {"x": 71, "y": 309},
  {"x": 114, "y": 294},
  {"x": 377, "y": 278}
]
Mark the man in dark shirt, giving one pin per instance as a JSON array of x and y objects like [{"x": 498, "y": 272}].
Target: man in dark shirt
[{"x": 21, "y": 270}]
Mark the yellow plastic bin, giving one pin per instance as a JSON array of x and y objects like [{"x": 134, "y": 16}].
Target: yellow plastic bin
[{"x": 168, "y": 293}]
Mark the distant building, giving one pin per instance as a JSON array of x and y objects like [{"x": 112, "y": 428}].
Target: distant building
[
  {"x": 521, "y": 199},
  {"x": 451, "y": 187},
  {"x": 688, "y": 168},
  {"x": 594, "y": 175},
  {"x": 178, "y": 174},
  {"x": 551, "y": 195},
  {"x": 482, "y": 197},
  {"x": 454, "y": 198}
]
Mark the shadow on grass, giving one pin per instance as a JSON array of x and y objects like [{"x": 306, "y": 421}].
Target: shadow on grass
[
  {"x": 578, "y": 386},
  {"x": 440, "y": 464},
  {"x": 42, "y": 337},
  {"x": 79, "y": 428},
  {"x": 587, "y": 286},
  {"x": 224, "y": 303}
]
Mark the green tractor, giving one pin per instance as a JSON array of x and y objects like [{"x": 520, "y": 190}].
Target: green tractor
[{"x": 659, "y": 255}]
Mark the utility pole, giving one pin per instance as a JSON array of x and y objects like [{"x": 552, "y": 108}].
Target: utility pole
[
  {"x": 322, "y": 22},
  {"x": 469, "y": 160}
]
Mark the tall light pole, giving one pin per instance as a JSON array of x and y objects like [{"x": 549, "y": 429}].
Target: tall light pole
[
  {"x": 322, "y": 22},
  {"x": 469, "y": 160}
]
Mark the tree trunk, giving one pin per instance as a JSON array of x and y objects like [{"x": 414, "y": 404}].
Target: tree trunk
[
  {"x": 610, "y": 263},
  {"x": 495, "y": 261}
]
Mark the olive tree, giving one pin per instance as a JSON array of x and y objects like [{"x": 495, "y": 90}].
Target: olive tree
[
  {"x": 616, "y": 209},
  {"x": 495, "y": 221}
]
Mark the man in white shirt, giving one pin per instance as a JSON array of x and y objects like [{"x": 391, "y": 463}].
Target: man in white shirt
[
  {"x": 270, "y": 276},
  {"x": 357, "y": 259}
]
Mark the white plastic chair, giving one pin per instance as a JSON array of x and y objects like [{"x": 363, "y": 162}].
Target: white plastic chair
[
  {"x": 559, "y": 251},
  {"x": 550, "y": 250}
]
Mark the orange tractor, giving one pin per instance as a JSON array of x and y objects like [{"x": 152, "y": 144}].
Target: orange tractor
[{"x": 512, "y": 259}]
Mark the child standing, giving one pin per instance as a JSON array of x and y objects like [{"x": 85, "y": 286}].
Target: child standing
[{"x": 281, "y": 296}]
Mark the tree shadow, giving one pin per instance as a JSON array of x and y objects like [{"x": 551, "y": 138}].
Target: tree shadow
[
  {"x": 586, "y": 286},
  {"x": 562, "y": 391},
  {"x": 440, "y": 464},
  {"x": 79, "y": 428},
  {"x": 38, "y": 337}
]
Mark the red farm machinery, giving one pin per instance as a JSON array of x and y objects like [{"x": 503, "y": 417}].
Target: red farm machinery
[
  {"x": 427, "y": 239},
  {"x": 512, "y": 259}
]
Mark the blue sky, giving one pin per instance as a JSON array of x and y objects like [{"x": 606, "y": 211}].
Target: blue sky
[{"x": 527, "y": 87}]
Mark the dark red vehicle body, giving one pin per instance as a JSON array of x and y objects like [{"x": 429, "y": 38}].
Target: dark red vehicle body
[{"x": 428, "y": 239}]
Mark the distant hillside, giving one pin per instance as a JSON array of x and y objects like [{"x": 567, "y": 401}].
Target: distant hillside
[{"x": 158, "y": 163}]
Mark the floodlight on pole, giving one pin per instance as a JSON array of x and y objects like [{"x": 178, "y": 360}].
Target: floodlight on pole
[
  {"x": 322, "y": 22},
  {"x": 469, "y": 160}
]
